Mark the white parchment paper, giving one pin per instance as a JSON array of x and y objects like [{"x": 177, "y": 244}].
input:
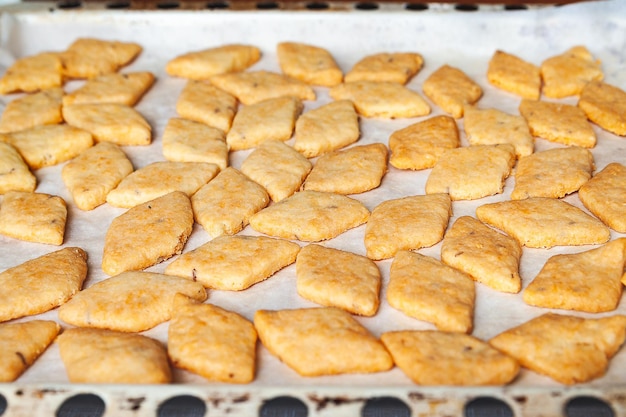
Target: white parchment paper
[{"x": 466, "y": 40}]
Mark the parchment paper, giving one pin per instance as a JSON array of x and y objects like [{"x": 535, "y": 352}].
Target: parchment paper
[{"x": 466, "y": 40}]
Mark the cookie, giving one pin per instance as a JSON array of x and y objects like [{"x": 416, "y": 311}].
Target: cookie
[
  {"x": 203, "y": 64},
  {"x": 217, "y": 344},
  {"x": 541, "y": 222},
  {"x": 188, "y": 141},
  {"x": 511, "y": 73},
  {"x": 451, "y": 89},
  {"x": 397, "y": 67},
  {"x": 202, "y": 102},
  {"x": 90, "y": 57},
  {"x": 272, "y": 119},
  {"x": 96, "y": 356},
  {"x": 350, "y": 171},
  {"x": 117, "y": 88},
  {"x": 33, "y": 73},
  {"x": 42, "y": 108},
  {"x": 326, "y": 128},
  {"x": 234, "y": 263},
  {"x": 386, "y": 100},
  {"x": 160, "y": 178},
  {"x": 567, "y": 74},
  {"x": 310, "y": 216},
  {"x": 94, "y": 173},
  {"x": 489, "y": 257},
  {"x": 321, "y": 341},
  {"x": 337, "y": 278},
  {"x": 605, "y": 105},
  {"x": 552, "y": 173},
  {"x": 568, "y": 349},
  {"x": 224, "y": 205},
  {"x": 308, "y": 63},
  {"x": 42, "y": 283},
  {"x": 406, "y": 223},
  {"x": 14, "y": 173},
  {"x": 427, "y": 289},
  {"x": 33, "y": 217},
  {"x": 160, "y": 227},
  {"x": 587, "y": 281},
  {"x": 470, "y": 173},
  {"x": 605, "y": 196},
  {"x": 132, "y": 301},
  {"x": 447, "y": 358},
  {"x": 278, "y": 167},
  {"x": 420, "y": 145}
]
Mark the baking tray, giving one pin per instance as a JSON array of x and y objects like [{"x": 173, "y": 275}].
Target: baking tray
[{"x": 441, "y": 34}]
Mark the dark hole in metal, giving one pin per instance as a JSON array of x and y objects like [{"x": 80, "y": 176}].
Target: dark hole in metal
[
  {"x": 267, "y": 5},
  {"x": 167, "y": 5},
  {"x": 385, "y": 407},
  {"x": 84, "y": 405},
  {"x": 283, "y": 407},
  {"x": 487, "y": 406},
  {"x": 69, "y": 4},
  {"x": 588, "y": 406},
  {"x": 217, "y": 5},
  {"x": 118, "y": 5},
  {"x": 515, "y": 7},
  {"x": 182, "y": 406},
  {"x": 366, "y": 6},
  {"x": 466, "y": 7},
  {"x": 317, "y": 6},
  {"x": 3, "y": 404},
  {"x": 416, "y": 6}
]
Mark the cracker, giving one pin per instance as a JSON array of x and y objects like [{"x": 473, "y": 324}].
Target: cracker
[
  {"x": 489, "y": 257},
  {"x": 387, "y": 100},
  {"x": 218, "y": 344},
  {"x": 568, "y": 349},
  {"x": 336, "y": 278},
  {"x": 272, "y": 119},
  {"x": 132, "y": 301},
  {"x": 42, "y": 108},
  {"x": 473, "y": 172},
  {"x": 204, "y": 103},
  {"x": 492, "y": 127},
  {"x": 43, "y": 146},
  {"x": 90, "y": 58},
  {"x": 511, "y": 73},
  {"x": 567, "y": 74},
  {"x": 429, "y": 290},
  {"x": 397, "y": 67},
  {"x": 278, "y": 167},
  {"x": 96, "y": 356},
  {"x": 33, "y": 217},
  {"x": 110, "y": 122},
  {"x": 234, "y": 263},
  {"x": 41, "y": 284},
  {"x": 188, "y": 141},
  {"x": 406, "y": 223},
  {"x": 351, "y": 171},
  {"x": 321, "y": 341},
  {"x": 445, "y": 358},
  {"x": 94, "y": 173},
  {"x": 203, "y": 64},
  {"x": 33, "y": 73},
  {"x": 587, "y": 281},
  {"x": 14, "y": 173},
  {"x": 541, "y": 222},
  {"x": 253, "y": 87},
  {"x": 420, "y": 145},
  {"x": 21, "y": 344},
  {"x": 552, "y": 173},
  {"x": 605, "y": 196},
  {"x": 451, "y": 89},
  {"x": 310, "y": 216},
  {"x": 558, "y": 122},
  {"x": 117, "y": 88},
  {"x": 326, "y": 128},
  {"x": 160, "y": 178},
  {"x": 224, "y": 205},
  {"x": 308, "y": 63},
  {"x": 605, "y": 105},
  {"x": 160, "y": 227}
]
